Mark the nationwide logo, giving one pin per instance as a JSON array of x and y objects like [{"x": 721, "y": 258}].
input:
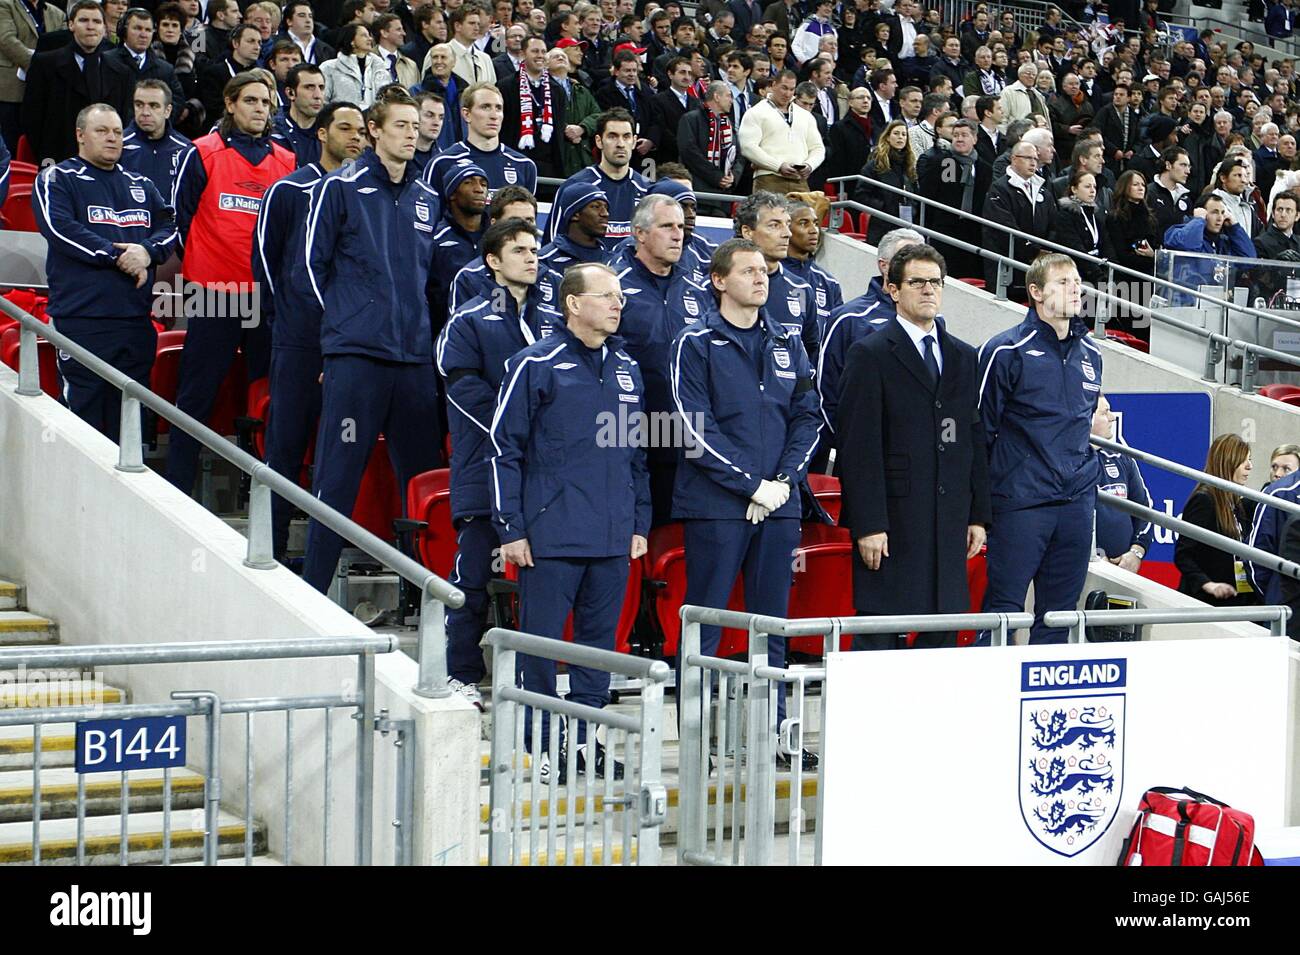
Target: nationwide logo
[
  {"x": 122, "y": 218},
  {"x": 231, "y": 202},
  {"x": 1071, "y": 773}
]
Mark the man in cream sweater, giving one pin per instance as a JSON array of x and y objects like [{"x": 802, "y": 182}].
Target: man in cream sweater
[{"x": 781, "y": 142}]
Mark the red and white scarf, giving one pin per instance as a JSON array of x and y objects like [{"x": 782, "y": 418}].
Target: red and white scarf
[
  {"x": 722, "y": 147},
  {"x": 526, "y": 109}
]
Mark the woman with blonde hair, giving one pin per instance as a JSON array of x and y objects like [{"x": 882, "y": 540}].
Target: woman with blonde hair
[
  {"x": 893, "y": 163},
  {"x": 1211, "y": 575}
]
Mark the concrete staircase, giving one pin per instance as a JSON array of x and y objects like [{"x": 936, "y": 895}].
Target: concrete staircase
[{"x": 151, "y": 819}]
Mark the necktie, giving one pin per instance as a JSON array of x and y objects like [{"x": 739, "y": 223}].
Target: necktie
[
  {"x": 474, "y": 63},
  {"x": 631, "y": 98},
  {"x": 139, "y": 61},
  {"x": 742, "y": 106},
  {"x": 931, "y": 362},
  {"x": 392, "y": 66}
]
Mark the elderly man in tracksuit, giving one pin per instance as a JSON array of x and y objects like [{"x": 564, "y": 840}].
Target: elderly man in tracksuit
[
  {"x": 1123, "y": 537},
  {"x": 662, "y": 299},
  {"x": 369, "y": 245},
  {"x": 744, "y": 386},
  {"x": 471, "y": 355},
  {"x": 581, "y": 211},
  {"x": 855, "y": 319},
  {"x": 290, "y": 305},
  {"x": 697, "y": 251},
  {"x": 571, "y": 495},
  {"x": 1039, "y": 386},
  {"x": 107, "y": 229}
]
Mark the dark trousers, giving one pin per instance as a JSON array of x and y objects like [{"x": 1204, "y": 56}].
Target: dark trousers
[
  {"x": 211, "y": 344},
  {"x": 11, "y": 125},
  {"x": 716, "y": 551},
  {"x": 362, "y": 398},
  {"x": 592, "y": 588},
  {"x": 1049, "y": 545},
  {"x": 291, "y": 422},
  {"x": 663, "y": 474},
  {"x": 476, "y": 547},
  {"x": 898, "y": 641},
  {"x": 128, "y": 344}
]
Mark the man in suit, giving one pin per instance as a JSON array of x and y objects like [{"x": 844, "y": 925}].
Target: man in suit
[
  {"x": 241, "y": 56},
  {"x": 956, "y": 177},
  {"x": 884, "y": 108},
  {"x": 1021, "y": 200},
  {"x": 19, "y": 31},
  {"x": 299, "y": 25},
  {"x": 1119, "y": 130},
  {"x": 544, "y": 103},
  {"x": 136, "y": 58},
  {"x": 912, "y": 458},
  {"x": 60, "y": 83},
  {"x": 509, "y": 61},
  {"x": 667, "y": 109},
  {"x": 989, "y": 140},
  {"x": 850, "y": 139},
  {"x": 708, "y": 143}
]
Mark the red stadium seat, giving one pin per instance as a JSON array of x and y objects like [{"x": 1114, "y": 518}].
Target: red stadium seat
[
  {"x": 378, "y": 502},
  {"x": 974, "y": 283},
  {"x": 428, "y": 499},
  {"x": 826, "y": 488},
  {"x": 24, "y": 153},
  {"x": 1293, "y": 400},
  {"x": 823, "y": 577},
  {"x": 17, "y": 210},
  {"x": 1124, "y": 338},
  {"x": 1279, "y": 392},
  {"x": 259, "y": 405},
  {"x": 666, "y": 570},
  {"x": 231, "y": 400},
  {"x": 51, "y": 382},
  {"x": 22, "y": 173}
]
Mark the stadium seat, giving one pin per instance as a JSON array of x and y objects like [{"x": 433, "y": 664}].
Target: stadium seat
[
  {"x": 17, "y": 210},
  {"x": 378, "y": 502},
  {"x": 1132, "y": 341},
  {"x": 428, "y": 507},
  {"x": 974, "y": 283},
  {"x": 51, "y": 382},
  {"x": 665, "y": 585},
  {"x": 24, "y": 153},
  {"x": 1280, "y": 392},
  {"x": 22, "y": 173},
  {"x": 30, "y": 301},
  {"x": 823, "y": 577},
  {"x": 826, "y": 489},
  {"x": 231, "y": 400}
]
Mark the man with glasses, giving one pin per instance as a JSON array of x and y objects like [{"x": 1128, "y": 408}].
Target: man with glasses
[
  {"x": 743, "y": 386},
  {"x": 571, "y": 501},
  {"x": 912, "y": 458},
  {"x": 1020, "y": 200},
  {"x": 1039, "y": 385}
]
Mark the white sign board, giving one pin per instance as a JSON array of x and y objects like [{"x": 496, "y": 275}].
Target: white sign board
[{"x": 1039, "y": 755}]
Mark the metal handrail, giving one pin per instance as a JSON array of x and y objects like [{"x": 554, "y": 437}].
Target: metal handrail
[
  {"x": 1078, "y": 620},
  {"x": 579, "y": 655},
  {"x": 435, "y": 593},
  {"x": 818, "y": 626},
  {"x": 1195, "y": 532},
  {"x": 1050, "y": 246},
  {"x": 1182, "y": 470}
]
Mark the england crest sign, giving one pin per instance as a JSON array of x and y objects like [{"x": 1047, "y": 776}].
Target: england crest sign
[{"x": 1071, "y": 772}]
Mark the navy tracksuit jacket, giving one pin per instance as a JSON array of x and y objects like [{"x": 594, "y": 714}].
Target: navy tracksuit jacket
[
  {"x": 471, "y": 354},
  {"x": 157, "y": 159},
  {"x": 1037, "y": 397},
  {"x": 369, "y": 244},
  {"x": 1267, "y": 531},
  {"x": 1118, "y": 531}
]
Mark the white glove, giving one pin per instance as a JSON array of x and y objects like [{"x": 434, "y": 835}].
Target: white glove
[
  {"x": 756, "y": 513},
  {"x": 771, "y": 494}
]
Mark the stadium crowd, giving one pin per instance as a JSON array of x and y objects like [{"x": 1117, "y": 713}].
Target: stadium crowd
[{"x": 370, "y": 170}]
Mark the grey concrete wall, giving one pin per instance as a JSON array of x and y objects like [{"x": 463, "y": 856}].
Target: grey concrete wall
[{"x": 120, "y": 558}]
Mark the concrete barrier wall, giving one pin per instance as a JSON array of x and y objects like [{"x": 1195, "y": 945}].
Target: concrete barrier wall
[{"x": 120, "y": 558}]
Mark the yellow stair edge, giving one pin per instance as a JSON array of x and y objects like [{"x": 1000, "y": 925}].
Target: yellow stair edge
[
  {"x": 809, "y": 788},
  {"x": 73, "y": 693},
  {"x": 49, "y": 744},
  {"x": 14, "y": 621},
  {"x": 10, "y": 589},
  {"x": 597, "y": 857},
  {"x": 486, "y": 760},
  {"x": 136, "y": 787},
  {"x": 100, "y": 845}
]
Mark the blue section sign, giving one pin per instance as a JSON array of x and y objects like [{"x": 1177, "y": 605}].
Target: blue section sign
[
  {"x": 1073, "y": 675},
  {"x": 155, "y": 742},
  {"x": 1173, "y": 426}
]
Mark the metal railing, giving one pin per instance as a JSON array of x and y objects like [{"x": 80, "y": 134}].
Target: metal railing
[
  {"x": 640, "y": 802},
  {"x": 743, "y": 720},
  {"x": 1078, "y": 621},
  {"x": 706, "y": 196},
  {"x": 436, "y": 594},
  {"x": 213, "y": 709},
  {"x": 1218, "y": 346}
]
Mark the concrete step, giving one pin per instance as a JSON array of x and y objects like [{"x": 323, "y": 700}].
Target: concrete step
[
  {"x": 19, "y": 628},
  {"x": 144, "y": 839},
  {"x": 58, "y": 693},
  {"x": 103, "y": 793},
  {"x": 58, "y": 745},
  {"x": 12, "y": 596},
  {"x": 598, "y": 855}
]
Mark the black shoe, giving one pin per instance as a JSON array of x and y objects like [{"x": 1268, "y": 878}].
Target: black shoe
[
  {"x": 808, "y": 761},
  {"x": 600, "y": 762}
]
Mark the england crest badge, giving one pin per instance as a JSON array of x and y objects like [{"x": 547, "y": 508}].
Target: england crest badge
[
  {"x": 782, "y": 357},
  {"x": 422, "y": 211},
  {"x": 692, "y": 307},
  {"x": 1088, "y": 371},
  {"x": 795, "y": 305},
  {"x": 821, "y": 298},
  {"x": 625, "y": 381},
  {"x": 1071, "y": 773},
  {"x": 137, "y": 194},
  {"x": 511, "y": 174}
]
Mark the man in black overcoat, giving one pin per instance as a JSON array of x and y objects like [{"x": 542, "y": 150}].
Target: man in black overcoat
[{"x": 912, "y": 458}]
